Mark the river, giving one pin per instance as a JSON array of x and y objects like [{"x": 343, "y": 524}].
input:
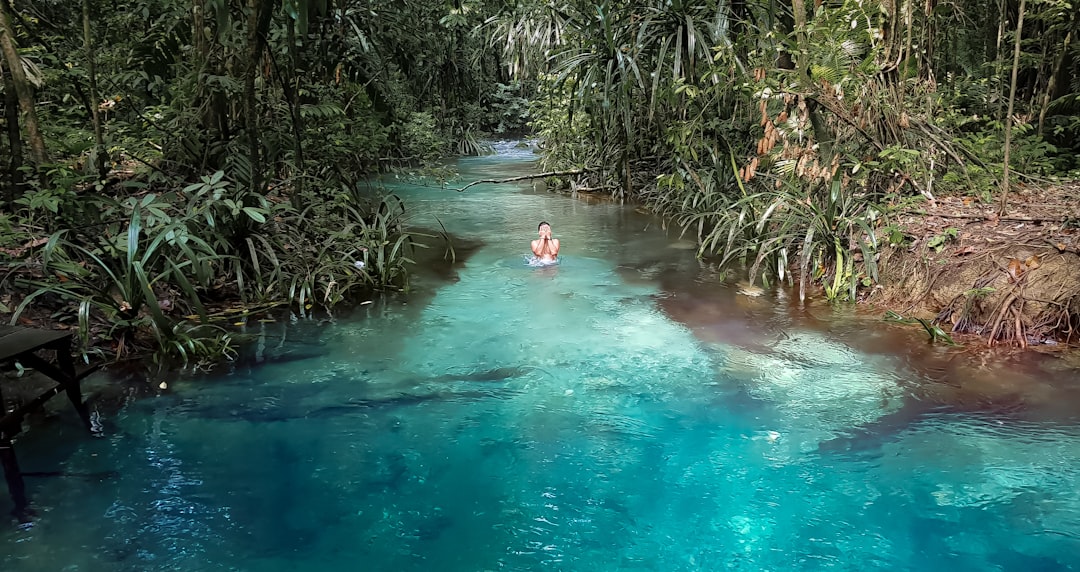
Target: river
[{"x": 622, "y": 410}]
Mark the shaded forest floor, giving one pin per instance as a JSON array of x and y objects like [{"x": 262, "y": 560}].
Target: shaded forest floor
[{"x": 1013, "y": 279}]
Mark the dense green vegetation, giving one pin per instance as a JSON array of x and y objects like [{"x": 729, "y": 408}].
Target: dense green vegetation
[
  {"x": 783, "y": 134},
  {"x": 167, "y": 162},
  {"x": 171, "y": 164}
]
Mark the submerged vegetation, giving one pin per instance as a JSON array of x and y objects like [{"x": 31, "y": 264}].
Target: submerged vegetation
[{"x": 171, "y": 163}]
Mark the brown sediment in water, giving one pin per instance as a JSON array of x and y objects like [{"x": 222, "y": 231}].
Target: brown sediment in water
[
  {"x": 995, "y": 375},
  {"x": 716, "y": 316},
  {"x": 1008, "y": 381}
]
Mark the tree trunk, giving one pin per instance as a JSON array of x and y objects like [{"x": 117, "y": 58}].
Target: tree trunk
[
  {"x": 802, "y": 68},
  {"x": 1051, "y": 84},
  {"x": 251, "y": 120},
  {"x": 929, "y": 41},
  {"x": 997, "y": 46},
  {"x": 99, "y": 141},
  {"x": 1009, "y": 113},
  {"x": 23, "y": 90},
  {"x": 292, "y": 93},
  {"x": 909, "y": 23},
  {"x": 259, "y": 15},
  {"x": 798, "y": 11},
  {"x": 11, "y": 117},
  {"x": 201, "y": 45}
]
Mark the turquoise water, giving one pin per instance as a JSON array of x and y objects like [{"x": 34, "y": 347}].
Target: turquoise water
[{"x": 574, "y": 417}]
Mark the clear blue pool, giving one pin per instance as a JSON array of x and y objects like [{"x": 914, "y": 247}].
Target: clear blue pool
[{"x": 578, "y": 417}]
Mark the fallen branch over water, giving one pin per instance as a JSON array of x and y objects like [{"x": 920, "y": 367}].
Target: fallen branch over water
[
  {"x": 593, "y": 189},
  {"x": 526, "y": 178}
]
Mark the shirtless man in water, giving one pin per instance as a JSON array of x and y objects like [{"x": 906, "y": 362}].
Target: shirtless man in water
[{"x": 545, "y": 248}]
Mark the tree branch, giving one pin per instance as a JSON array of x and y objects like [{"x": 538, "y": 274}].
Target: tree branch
[
  {"x": 842, "y": 117},
  {"x": 989, "y": 217},
  {"x": 526, "y": 178}
]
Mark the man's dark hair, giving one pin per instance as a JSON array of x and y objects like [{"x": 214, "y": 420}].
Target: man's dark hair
[{"x": 542, "y": 223}]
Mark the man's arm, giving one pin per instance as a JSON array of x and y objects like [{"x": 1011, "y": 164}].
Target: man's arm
[{"x": 545, "y": 247}]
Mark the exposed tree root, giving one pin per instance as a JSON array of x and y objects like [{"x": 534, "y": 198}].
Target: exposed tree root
[
  {"x": 993, "y": 295},
  {"x": 1012, "y": 281}
]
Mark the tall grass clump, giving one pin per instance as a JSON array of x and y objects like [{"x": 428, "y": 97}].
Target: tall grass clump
[
  {"x": 159, "y": 273},
  {"x": 826, "y": 235}
]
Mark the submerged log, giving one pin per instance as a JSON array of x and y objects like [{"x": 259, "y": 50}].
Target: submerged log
[{"x": 351, "y": 407}]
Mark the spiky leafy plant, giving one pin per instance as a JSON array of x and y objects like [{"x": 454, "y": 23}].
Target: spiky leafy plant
[
  {"x": 129, "y": 282},
  {"x": 784, "y": 233}
]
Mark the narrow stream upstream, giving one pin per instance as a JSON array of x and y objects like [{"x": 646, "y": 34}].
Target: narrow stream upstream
[{"x": 618, "y": 411}]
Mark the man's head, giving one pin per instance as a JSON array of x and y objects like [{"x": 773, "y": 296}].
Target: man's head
[
  {"x": 544, "y": 230},
  {"x": 541, "y": 226}
]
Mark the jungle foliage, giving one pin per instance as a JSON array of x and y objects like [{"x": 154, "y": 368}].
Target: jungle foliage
[
  {"x": 168, "y": 163},
  {"x": 785, "y": 134},
  {"x": 172, "y": 166}
]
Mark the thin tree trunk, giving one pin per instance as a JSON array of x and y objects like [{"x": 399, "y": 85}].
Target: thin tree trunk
[
  {"x": 23, "y": 89},
  {"x": 11, "y": 117},
  {"x": 926, "y": 47},
  {"x": 929, "y": 41},
  {"x": 99, "y": 140},
  {"x": 294, "y": 107},
  {"x": 798, "y": 12},
  {"x": 251, "y": 120},
  {"x": 821, "y": 134},
  {"x": 909, "y": 23},
  {"x": 261, "y": 13},
  {"x": 216, "y": 111},
  {"x": 1009, "y": 113},
  {"x": 1051, "y": 84},
  {"x": 212, "y": 114},
  {"x": 997, "y": 46},
  {"x": 201, "y": 46},
  {"x": 1041, "y": 70}
]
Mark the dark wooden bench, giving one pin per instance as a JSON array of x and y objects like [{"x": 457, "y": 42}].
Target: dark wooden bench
[{"x": 18, "y": 344}]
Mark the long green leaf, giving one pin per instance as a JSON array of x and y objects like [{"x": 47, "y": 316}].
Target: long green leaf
[
  {"x": 84, "y": 323},
  {"x": 804, "y": 266},
  {"x": 189, "y": 291},
  {"x": 134, "y": 228},
  {"x": 162, "y": 324}
]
